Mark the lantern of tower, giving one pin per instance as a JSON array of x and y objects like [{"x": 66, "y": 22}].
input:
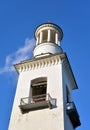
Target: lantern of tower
[{"x": 48, "y": 37}]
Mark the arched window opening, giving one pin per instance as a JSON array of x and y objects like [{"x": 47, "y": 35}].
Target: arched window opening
[{"x": 39, "y": 89}]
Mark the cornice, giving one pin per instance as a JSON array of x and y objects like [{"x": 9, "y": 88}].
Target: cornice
[{"x": 38, "y": 63}]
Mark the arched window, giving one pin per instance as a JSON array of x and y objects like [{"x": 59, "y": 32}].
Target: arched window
[{"x": 39, "y": 89}]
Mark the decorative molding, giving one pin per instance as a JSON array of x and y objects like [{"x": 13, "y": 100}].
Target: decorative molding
[
  {"x": 47, "y": 26},
  {"x": 38, "y": 63}
]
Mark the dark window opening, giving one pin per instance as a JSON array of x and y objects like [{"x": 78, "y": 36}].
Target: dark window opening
[
  {"x": 45, "y": 36},
  {"x": 39, "y": 88},
  {"x": 53, "y": 36}
]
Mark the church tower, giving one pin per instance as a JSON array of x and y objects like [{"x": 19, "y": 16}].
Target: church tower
[{"x": 43, "y": 99}]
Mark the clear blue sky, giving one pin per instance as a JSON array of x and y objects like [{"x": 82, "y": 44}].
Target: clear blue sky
[{"x": 18, "y": 20}]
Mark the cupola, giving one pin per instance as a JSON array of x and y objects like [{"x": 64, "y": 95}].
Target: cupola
[{"x": 48, "y": 37}]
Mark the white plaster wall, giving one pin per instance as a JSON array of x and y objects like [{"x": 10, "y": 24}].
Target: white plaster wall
[
  {"x": 47, "y": 48},
  {"x": 44, "y": 119}
]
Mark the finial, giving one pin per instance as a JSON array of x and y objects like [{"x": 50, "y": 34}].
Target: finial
[{"x": 48, "y": 21}]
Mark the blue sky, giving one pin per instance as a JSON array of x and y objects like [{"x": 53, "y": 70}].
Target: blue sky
[{"x": 18, "y": 20}]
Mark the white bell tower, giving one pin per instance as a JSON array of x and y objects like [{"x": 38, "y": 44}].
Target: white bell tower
[{"x": 43, "y": 99}]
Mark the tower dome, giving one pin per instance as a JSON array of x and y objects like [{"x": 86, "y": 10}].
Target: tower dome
[{"x": 48, "y": 37}]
